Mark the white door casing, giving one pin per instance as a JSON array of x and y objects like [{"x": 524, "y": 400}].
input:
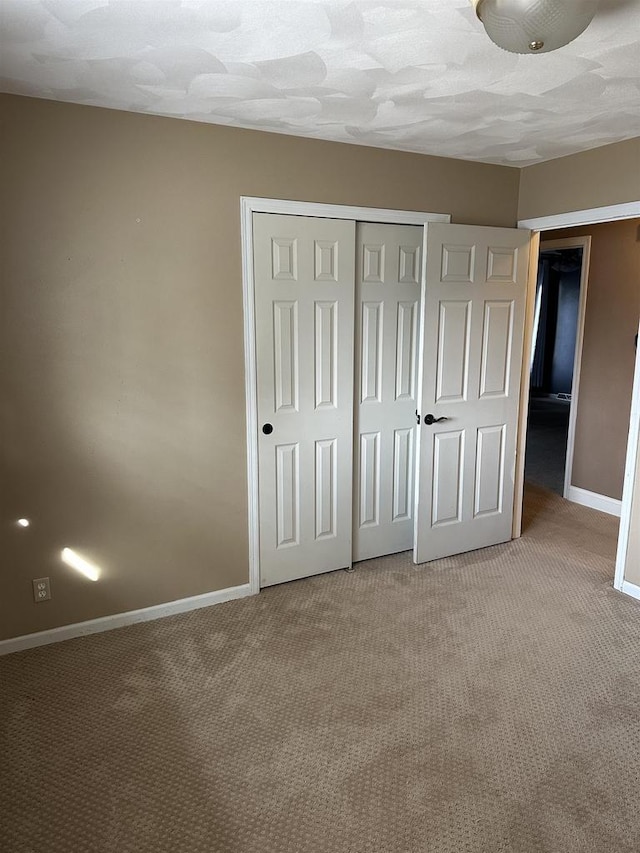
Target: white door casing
[
  {"x": 583, "y": 243},
  {"x": 470, "y": 355},
  {"x": 304, "y": 308},
  {"x": 388, "y": 274}
]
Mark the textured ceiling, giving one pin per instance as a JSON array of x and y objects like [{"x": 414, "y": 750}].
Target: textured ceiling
[{"x": 416, "y": 75}]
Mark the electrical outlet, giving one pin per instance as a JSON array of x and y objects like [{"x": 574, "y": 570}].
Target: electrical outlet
[{"x": 41, "y": 589}]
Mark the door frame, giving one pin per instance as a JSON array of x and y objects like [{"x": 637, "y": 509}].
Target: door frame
[
  {"x": 583, "y": 243},
  {"x": 248, "y": 206},
  {"x": 573, "y": 219},
  {"x": 628, "y": 498}
]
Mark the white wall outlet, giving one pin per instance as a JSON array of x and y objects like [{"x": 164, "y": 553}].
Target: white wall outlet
[{"x": 41, "y": 589}]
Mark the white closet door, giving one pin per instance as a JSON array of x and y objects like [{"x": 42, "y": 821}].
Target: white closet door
[
  {"x": 304, "y": 271},
  {"x": 470, "y": 360},
  {"x": 387, "y": 307}
]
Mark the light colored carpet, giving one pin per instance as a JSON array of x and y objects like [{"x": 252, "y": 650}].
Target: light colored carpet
[{"x": 485, "y": 703}]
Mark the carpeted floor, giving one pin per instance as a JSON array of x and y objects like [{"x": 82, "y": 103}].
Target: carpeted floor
[
  {"x": 480, "y": 704},
  {"x": 546, "y": 453}
]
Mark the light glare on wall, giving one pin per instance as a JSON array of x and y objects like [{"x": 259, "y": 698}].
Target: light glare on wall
[
  {"x": 23, "y": 522},
  {"x": 81, "y": 565}
]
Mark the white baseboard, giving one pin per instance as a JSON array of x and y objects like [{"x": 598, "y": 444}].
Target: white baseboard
[
  {"x": 119, "y": 620},
  {"x": 630, "y": 589},
  {"x": 594, "y": 500}
]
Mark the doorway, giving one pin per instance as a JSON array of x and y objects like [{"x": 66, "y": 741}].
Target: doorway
[
  {"x": 555, "y": 359},
  {"x": 626, "y": 558}
]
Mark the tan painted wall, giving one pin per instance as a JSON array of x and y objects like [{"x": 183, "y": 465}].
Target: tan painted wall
[
  {"x": 632, "y": 571},
  {"x": 121, "y": 353},
  {"x": 596, "y": 178},
  {"x": 608, "y": 354},
  {"x": 604, "y": 176}
]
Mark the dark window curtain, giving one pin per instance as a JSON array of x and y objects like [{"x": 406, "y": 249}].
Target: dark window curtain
[{"x": 538, "y": 365}]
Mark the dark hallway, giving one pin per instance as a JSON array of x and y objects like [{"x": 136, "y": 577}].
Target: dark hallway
[
  {"x": 547, "y": 443},
  {"x": 552, "y": 365}
]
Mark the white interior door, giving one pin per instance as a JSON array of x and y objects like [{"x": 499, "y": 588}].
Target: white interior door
[
  {"x": 304, "y": 271},
  {"x": 470, "y": 354},
  {"x": 387, "y": 306}
]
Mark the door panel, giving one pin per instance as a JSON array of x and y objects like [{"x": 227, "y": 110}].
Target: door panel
[
  {"x": 388, "y": 269},
  {"x": 326, "y": 356},
  {"x": 453, "y": 350},
  {"x": 369, "y": 480},
  {"x": 371, "y": 381},
  {"x": 471, "y": 334},
  {"x": 448, "y": 481},
  {"x": 285, "y": 346},
  {"x": 326, "y": 485},
  {"x": 489, "y": 470},
  {"x": 403, "y": 474},
  {"x": 304, "y": 300},
  {"x": 406, "y": 354},
  {"x": 496, "y": 349},
  {"x": 287, "y": 495}
]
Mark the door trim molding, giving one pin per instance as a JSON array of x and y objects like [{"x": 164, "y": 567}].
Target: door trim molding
[
  {"x": 251, "y": 204},
  {"x": 583, "y": 243},
  {"x": 248, "y": 206},
  {"x": 631, "y": 465},
  {"x": 589, "y": 216},
  {"x": 525, "y": 381}
]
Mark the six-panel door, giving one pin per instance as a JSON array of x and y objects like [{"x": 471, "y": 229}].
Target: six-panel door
[
  {"x": 388, "y": 270},
  {"x": 470, "y": 351},
  {"x": 304, "y": 299}
]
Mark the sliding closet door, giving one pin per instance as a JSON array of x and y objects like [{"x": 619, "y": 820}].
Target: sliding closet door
[
  {"x": 304, "y": 269},
  {"x": 387, "y": 309}
]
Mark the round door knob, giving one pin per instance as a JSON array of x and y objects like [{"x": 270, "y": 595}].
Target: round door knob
[{"x": 267, "y": 429}]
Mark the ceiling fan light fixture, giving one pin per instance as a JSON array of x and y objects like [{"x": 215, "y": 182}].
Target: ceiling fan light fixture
[{"x": 534, "y": 26}]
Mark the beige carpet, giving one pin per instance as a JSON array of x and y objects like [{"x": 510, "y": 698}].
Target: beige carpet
[{"x": 485, "y": 703}]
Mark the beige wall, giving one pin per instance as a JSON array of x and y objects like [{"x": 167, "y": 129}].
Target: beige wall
[
  {"x": 121, "y": 354},
  {"x": 596, "y": 178},
  {"x": 608, "y": 354}
]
